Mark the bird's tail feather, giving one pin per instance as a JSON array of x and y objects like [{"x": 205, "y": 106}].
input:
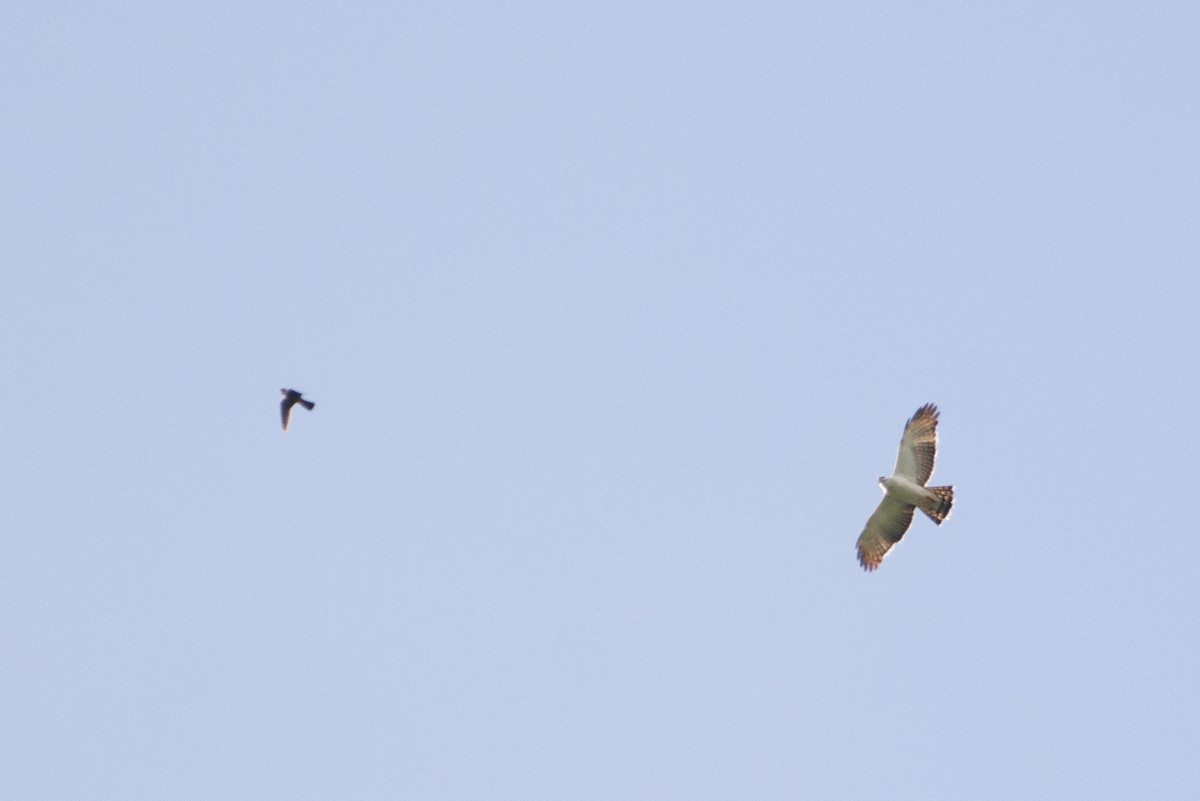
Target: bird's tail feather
[
  {"x": 307, "y": 404},
  {"x": 937, "y": 505}
]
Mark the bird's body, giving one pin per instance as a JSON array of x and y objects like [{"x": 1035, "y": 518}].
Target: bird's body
[
  {"x": 905, "y": 490},
  {"x": 290, "y": 398}
]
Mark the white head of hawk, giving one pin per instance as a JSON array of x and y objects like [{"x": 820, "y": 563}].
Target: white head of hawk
[{"x": 905, "y": 490}]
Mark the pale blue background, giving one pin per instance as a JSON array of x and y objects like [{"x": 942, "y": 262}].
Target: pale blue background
[{"x": 613, "y": 313}]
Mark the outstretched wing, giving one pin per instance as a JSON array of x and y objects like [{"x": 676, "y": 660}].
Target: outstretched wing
[
  {"x": 285, "y": 409},
  {"x": 918, "y": 446},
  {"x": 885, "y": 527}
]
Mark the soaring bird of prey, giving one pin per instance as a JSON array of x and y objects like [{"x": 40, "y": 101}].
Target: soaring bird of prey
[
  {"x": 290, "y": 398},
  {"x": 905, "y": 490}
]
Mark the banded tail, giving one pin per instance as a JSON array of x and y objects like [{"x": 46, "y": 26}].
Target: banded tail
[{"x": 938, "y": 506}]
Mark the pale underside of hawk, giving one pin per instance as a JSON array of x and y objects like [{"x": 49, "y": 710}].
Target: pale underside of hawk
[{"x": 905, "y": 490}]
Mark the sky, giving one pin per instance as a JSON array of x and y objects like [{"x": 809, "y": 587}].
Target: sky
[{"x": 612, "y": 314}]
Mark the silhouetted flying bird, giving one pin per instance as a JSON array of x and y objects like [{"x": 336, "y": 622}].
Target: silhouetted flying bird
[{"x": 290, "y": 398}]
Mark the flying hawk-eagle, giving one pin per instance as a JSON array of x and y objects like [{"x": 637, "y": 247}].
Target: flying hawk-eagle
[{"x": 905, "y": 490}]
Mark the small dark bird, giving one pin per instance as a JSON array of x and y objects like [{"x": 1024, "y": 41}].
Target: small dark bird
[{"x": 290, "y": 398}]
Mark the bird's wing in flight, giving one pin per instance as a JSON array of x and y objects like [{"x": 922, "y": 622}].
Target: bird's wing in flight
[
  {"x": 918, "y": 446},
  {"x": 885, "y": 527}
]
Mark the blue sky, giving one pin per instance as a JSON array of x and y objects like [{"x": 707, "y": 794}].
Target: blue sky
[{"x": 613, "y": 314}]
